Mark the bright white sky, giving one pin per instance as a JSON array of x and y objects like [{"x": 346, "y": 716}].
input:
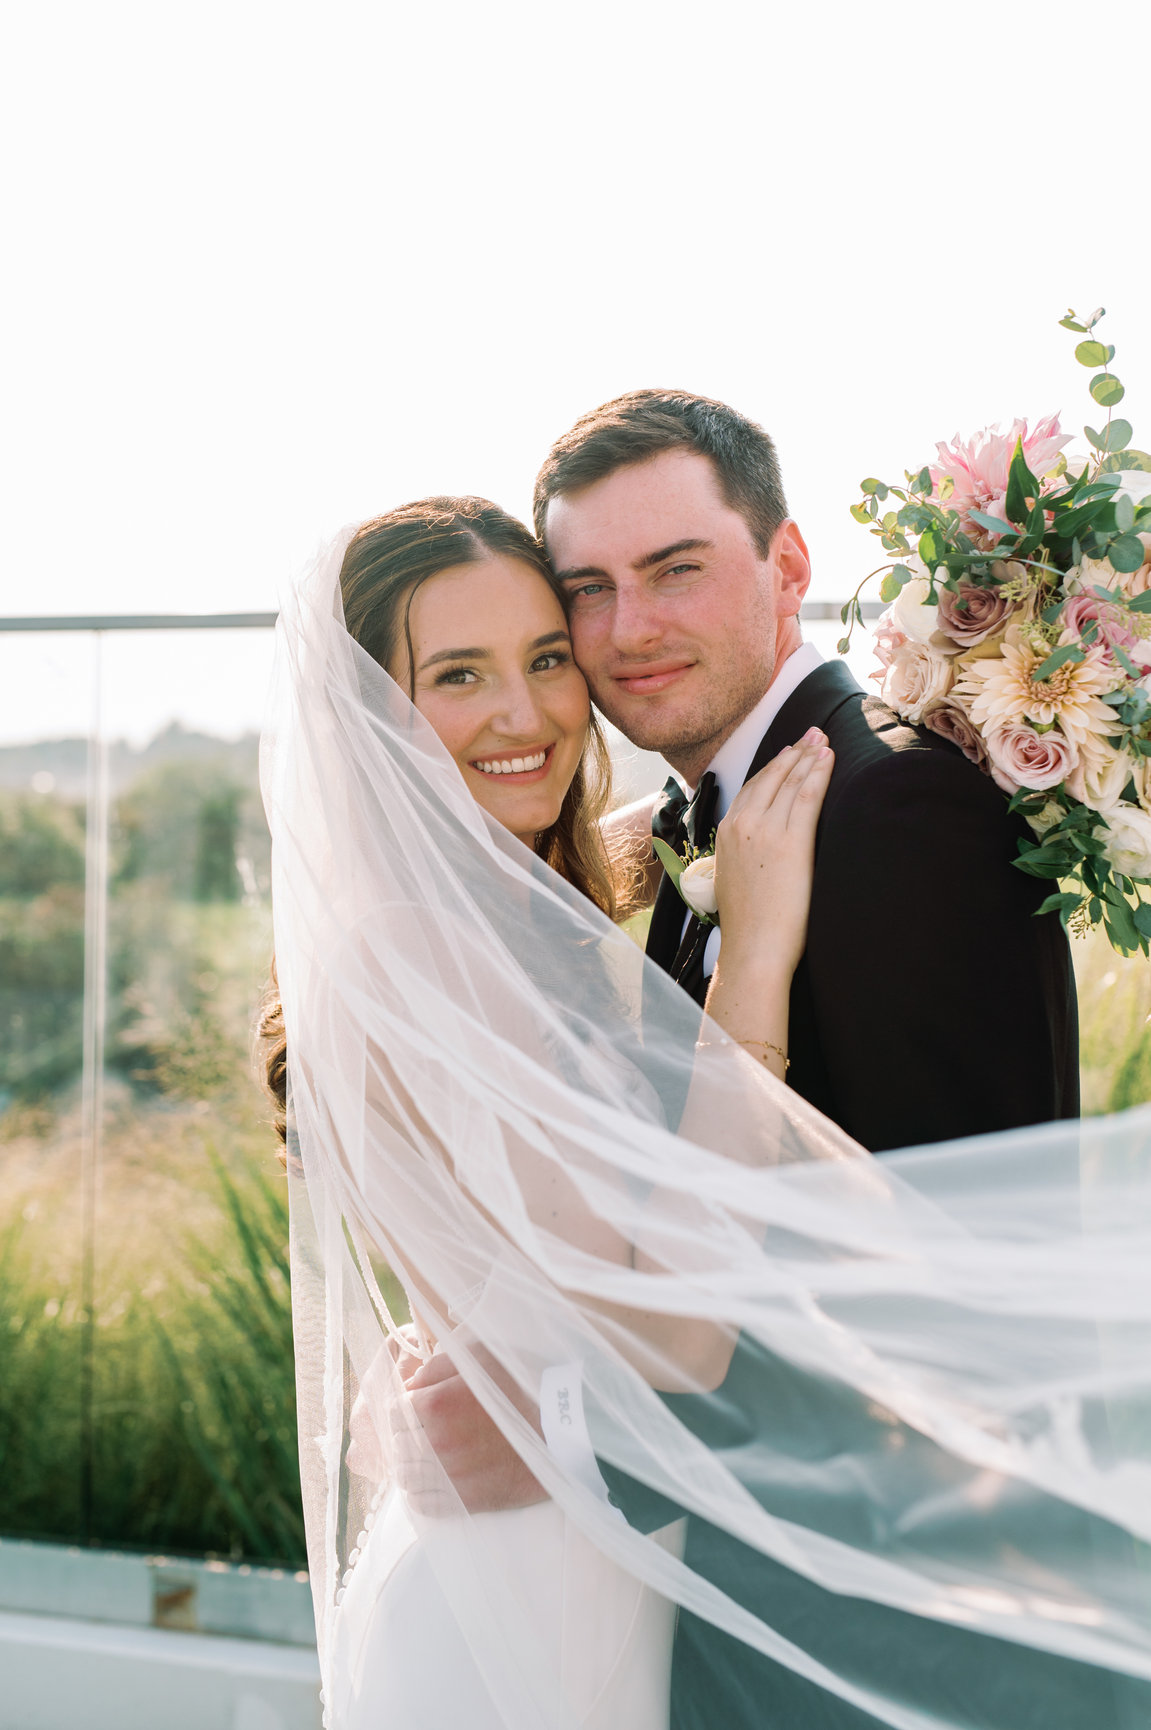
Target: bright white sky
[{"x": 279, "y": 266}]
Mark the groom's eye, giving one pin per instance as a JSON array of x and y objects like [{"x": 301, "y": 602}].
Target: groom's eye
[{"x": 587, "y": 591}]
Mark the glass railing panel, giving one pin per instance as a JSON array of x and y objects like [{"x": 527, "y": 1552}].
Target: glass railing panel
[
  {"x": 145, "y": 1275},
  {"x": 46, "y": 709},
  {"x": 192, "y": 1217}
]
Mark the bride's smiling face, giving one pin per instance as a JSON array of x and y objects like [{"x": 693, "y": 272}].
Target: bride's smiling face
[{"x": 492, "y": 671}]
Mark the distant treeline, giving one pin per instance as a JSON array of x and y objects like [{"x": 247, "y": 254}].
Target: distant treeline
[{"x": 186, "y": 833}]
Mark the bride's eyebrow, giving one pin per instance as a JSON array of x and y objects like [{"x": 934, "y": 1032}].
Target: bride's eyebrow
[
  {"x": 544, "y": 642},
  {"x": 456, "y": 655}
]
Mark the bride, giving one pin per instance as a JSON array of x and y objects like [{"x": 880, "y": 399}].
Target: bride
[{"x": 475, "y": 1102}]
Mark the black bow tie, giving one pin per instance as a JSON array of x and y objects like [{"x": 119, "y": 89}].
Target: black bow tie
[{"x": 684, "y": 822}]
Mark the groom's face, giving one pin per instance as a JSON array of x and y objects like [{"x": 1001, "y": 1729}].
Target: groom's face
[{"x": 677, "y": 619}]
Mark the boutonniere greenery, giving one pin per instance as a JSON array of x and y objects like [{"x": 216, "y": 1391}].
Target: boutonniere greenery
[{"x": 693, "y": 875}]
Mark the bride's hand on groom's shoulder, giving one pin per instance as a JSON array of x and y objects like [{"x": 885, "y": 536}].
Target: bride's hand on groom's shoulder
[
  {"x": 485, "y": 1470},
  {"x": 765, "y": 855}
]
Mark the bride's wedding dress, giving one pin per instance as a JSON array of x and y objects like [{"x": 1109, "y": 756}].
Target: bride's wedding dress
[{"x": 401, "y": 1661}]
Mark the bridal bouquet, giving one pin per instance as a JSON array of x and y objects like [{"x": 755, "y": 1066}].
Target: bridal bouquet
[{"x": 1019, "y": 627}]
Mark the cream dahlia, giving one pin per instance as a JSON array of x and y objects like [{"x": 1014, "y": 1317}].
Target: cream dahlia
[{"x": 1004, "y": 692}]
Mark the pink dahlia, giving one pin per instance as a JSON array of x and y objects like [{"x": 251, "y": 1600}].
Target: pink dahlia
[{"x": 979, "y": 466}]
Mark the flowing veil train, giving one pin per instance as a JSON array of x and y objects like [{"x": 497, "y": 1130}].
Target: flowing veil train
[{"x": 475, "y": 1103}]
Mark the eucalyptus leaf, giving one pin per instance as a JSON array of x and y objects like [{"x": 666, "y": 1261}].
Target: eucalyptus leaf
[
  {"x": 1141, "y": 918},
  {"x": 1070, "y": 323},
  {"x": 1125, "y": 661},
  {"x": 1127, "y": 459},
  {"x": 995, "y": 525},
  {"x": 893, "y": 582},
  {"x": 861, "y": 513},
  {"x": 1106, "y": 389},
  {"x": 1125, "y": 551},
  {"x": 1124, "y": 515},
  {"x": 1056, "y": 659},
  {"x": 1091, "y": 354}
]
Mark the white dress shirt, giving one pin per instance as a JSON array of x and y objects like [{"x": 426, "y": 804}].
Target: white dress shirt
[{"x": 735, "y": 756}]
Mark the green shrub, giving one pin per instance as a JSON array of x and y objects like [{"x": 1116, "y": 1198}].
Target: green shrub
[{"x": 193, "y": 1420}]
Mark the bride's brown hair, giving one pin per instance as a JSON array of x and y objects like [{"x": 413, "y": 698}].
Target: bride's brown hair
[{"x": 386, "y": 561}]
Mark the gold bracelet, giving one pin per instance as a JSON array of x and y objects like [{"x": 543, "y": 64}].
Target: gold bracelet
[
  {"x": 703, "y": 1044},
  {"x": 769, "y": 1047}
]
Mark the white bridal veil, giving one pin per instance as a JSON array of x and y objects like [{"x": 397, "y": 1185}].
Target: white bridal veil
[{"x": 904, "y": 1404}]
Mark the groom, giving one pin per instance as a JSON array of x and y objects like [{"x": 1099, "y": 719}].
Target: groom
[{"x": 930, "y": 1003}]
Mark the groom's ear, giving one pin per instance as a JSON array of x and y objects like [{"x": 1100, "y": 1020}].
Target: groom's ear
[{"x": 792, "y": 568}]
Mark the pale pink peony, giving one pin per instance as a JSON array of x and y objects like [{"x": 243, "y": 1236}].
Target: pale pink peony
[
  {"x": 952, "y": 722},
  {"x": 1116, "y": 625},
  {"x": 969, "y": 614},
  {"x": 979, "y": 466},
  {"x": 1021, "y": 757},
  {"x": 916, "y": 677}
]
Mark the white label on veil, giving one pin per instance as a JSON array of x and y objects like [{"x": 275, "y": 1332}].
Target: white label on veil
[{"x": 565, "y": 1428}]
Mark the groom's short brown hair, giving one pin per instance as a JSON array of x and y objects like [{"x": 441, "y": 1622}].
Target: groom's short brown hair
[{"x": 645, "y": 423}]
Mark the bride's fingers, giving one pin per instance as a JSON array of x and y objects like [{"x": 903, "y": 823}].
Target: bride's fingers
[
  {"x": 765, "y": 784},
  {"x": 774, "y": 787},
  {"x": 807, "y": 797},
  {"x": 801, "y": 790}
]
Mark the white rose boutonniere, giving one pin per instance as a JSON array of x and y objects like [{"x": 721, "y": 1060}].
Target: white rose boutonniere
[{"x": 694, "y": 878}]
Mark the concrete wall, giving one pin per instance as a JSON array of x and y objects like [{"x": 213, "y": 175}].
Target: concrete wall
[{"x": 95, "y": 1640}]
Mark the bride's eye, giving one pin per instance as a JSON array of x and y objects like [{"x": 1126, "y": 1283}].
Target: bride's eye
[
  {"x": 456, "y": 676},
  {"x": 547, "y": 663}
]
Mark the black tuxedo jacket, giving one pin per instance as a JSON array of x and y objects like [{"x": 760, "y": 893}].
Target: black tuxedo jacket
[{"x": 931, "y": 1003}]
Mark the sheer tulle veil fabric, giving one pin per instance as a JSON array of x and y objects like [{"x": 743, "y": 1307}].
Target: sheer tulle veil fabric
[{"x": 479, "y": 1113}]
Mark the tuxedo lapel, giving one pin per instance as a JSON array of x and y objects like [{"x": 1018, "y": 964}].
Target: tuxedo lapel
[
  {"x": 811, "y": 704},
  {"x": 666, "y": 928}
]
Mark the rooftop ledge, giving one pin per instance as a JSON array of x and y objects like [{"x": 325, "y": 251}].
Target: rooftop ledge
[{"x": 241, "y": 1600}]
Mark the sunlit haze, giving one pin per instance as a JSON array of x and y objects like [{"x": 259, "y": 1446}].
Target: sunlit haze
[{"x": 276, "y": 268}]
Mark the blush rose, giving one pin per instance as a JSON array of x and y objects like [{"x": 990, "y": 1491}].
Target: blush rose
[{"x": 1021, "y": 757}]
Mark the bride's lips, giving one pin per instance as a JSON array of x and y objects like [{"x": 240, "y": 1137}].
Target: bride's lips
[
  {"x": 648, "y": 681},
  {"x": 507, "y": 777}
]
